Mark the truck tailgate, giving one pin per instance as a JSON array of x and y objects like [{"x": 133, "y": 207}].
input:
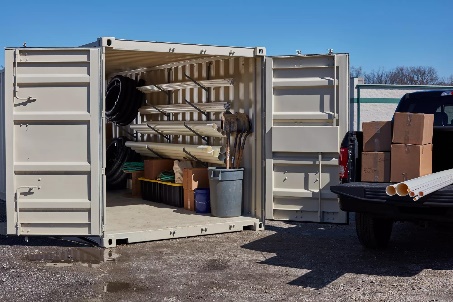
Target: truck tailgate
[{"x": 376, "y": 192}]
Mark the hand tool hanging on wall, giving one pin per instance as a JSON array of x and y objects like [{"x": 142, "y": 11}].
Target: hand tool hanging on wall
[
  {"x": 242, "y": 146},
  {"x": 246, "y": 129},
  {"x": 239, "y": 125},
  {"x": 229, "y": 125},
  {"x": 242, "y": 128}
]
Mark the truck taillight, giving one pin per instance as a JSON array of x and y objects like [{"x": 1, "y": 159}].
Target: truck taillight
[{"x": 344, "y": 163}]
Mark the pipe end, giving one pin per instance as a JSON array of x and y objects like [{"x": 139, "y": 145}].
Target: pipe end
[
  {"x": 402, "y": 189},
  {"x": 390, "y": 190}
]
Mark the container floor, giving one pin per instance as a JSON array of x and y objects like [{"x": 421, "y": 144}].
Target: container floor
[{"x": 135, "y": 220}]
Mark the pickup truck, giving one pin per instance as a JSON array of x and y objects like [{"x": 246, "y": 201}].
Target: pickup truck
[{"x": 375, "y": 210}]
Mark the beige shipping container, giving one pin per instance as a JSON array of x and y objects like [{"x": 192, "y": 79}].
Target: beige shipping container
[{"x": 53, "y": 136}]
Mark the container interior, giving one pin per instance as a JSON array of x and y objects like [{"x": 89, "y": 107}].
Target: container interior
[{"x": 134, "y": 219}]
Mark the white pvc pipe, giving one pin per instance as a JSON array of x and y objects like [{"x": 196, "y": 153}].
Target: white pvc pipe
[
  {"x": 182, "y": 108},
  {"x": 390, "y": 190},
  {"x": 403, "y": 188},
  {"x": 204, "y": 153},
  {"x": 438, "y": 181},
  {"x": 422, "y": 186},
  {"x": 431, "y": 188},
  {"x": 184, "y": 85},
  {"x": 415, "y": 185},
  {"x": 181, "y": 156}
]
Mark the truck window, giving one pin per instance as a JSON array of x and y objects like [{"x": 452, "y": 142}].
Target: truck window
[
  {"x": 440, "y": 106},
  {"x": 449, "y": 112}
]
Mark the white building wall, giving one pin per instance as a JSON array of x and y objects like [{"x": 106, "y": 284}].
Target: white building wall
[{"x": 376, "y": 104}]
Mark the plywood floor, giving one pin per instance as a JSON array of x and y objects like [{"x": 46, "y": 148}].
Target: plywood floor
[{"x": 128, "y": 214}]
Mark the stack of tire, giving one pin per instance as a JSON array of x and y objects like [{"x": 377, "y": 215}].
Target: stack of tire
[
  {"x": 117, "y": 154},
  {"x": 123, "y": 100}
]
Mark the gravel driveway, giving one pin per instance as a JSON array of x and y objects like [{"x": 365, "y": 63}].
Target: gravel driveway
[{"x": 286, "y": 262}]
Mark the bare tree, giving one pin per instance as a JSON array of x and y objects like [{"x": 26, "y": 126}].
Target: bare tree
[
  {"x": 448, "y": 81},
  {"x": 356, "y": 72},
  {"x": 418, "y": 75},
  {"x": 402, "y": 75},
  {"x": 379, "y": 76}
]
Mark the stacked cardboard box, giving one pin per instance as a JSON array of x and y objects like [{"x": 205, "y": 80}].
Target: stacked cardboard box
[
  {"x": 153, "y": 167},
  {"x": 377, "y": 140},
  {"x": 411, "y": 146},
  {"x": 194, "y": 178}
]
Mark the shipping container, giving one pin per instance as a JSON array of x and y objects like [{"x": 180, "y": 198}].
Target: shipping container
[{"x": 53, "y": 142}]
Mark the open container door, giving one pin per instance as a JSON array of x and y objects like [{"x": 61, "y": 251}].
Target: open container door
[
  {"x": 53, "y": 141},
  {"x": 306, "y": 118},
  {"x": 2, "y": 156}
]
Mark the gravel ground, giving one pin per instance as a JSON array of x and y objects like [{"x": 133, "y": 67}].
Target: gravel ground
[{"x": 286, "y": 262}]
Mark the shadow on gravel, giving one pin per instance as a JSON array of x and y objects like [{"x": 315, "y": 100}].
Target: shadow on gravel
[
  {"x": 37, "y": 241},
  {"x": 329, "y": 252},
  {"x": 42, "y": 241}
]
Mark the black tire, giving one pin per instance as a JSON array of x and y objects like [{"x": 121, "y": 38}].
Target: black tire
[
  {"x": 116, "y": 156},
  {"x": 122, "y": 105},
  {"x": 115, "y": 95},
  {"x": 373, "y": 232},
  {"x": 133, "y": 103}
]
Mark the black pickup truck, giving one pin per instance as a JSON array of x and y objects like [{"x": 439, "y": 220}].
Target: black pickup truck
[{"x": 375, "y": 210}]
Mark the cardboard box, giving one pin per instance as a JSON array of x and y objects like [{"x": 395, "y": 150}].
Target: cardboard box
[
  {"x": 376, "y": 166},
  {"x": 153, "y": 167},
  {"x": 377, "y": 136},
  {"x": 413, "y": 128},
  {"x": 195, "y": 178},
  {"x": 136, "y": 185},
  {"x": 189, "y": 200},
  {"x": 410, "y": 161}
]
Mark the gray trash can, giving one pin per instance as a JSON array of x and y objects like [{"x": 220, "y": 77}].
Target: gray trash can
[{"x": 226, "y": 191}]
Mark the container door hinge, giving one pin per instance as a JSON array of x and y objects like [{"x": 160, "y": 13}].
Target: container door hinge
[{"x": 103, "y": 171}]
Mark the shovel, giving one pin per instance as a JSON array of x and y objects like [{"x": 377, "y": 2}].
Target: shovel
[{"x": 229, "y": 126}]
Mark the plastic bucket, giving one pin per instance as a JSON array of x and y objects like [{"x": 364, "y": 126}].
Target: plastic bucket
[
  {"x": 226, "y": 191},
  {"x": 202, "y": 201}
]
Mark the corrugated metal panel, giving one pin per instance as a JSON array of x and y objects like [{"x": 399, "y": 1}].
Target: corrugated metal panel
[
  {"x": 2, "y": 137},
  {"x": 53, "y": 141},
  {"x": 124, "y": 55},
  {"x": 245, "y": 96},
  {"x": 306, "y": 117}
]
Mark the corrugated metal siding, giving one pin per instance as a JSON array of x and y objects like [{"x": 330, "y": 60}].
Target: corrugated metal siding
[
  {"x": 245, "y": 96},
  {"x": 306, "y": 118},
  {"x": 2, "y": 137},
  {"x": 52, "y": 123}
]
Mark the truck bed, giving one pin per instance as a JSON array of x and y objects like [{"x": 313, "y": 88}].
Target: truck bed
[
  {"x": 376, "y": 192},
  {"x": 371, "y": 197}
]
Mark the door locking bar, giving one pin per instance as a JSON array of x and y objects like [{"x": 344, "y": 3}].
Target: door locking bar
[
  {"x": 16, "y": 87},
  {"x": 17, "y": 204}
]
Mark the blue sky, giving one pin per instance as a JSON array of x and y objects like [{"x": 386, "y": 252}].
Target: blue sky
[{"x": 377, "y": 34}]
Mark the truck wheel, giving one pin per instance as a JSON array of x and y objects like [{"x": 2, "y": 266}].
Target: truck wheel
[{"x": 373, "y": 232}]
